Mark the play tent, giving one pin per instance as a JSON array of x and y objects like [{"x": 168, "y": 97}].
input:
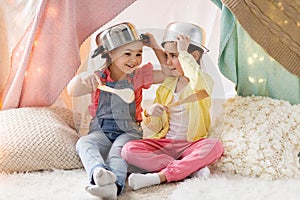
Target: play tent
[{"x": 45, "y": 43}]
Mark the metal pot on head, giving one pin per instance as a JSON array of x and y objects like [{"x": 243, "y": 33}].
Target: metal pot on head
[
  {"x": 196, "y": 33},
  {"x": 116, "y": 36}
]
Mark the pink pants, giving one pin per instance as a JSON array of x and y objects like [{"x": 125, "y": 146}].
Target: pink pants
[{"x": 177, "y": 159}]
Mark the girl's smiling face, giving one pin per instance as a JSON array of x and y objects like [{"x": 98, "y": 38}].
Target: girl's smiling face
[
  {"x": 172, "y": 59},
  {"x": 127, "y": 58}
]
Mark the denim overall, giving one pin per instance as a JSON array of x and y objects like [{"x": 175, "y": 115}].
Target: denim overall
[{"x": 114, "y": 125}]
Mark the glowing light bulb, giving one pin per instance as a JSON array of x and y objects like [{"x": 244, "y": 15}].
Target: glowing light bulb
[
  {"x": 250, "y": 61},
  {"x": 35, "y": 42},
  {"x": 52, "y": 11},
  {"x": 39, "y": 70},
  {"x": 251, "y": 79}
]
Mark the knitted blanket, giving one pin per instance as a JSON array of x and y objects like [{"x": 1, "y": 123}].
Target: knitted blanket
[
  {"x": 244, "y": 61},
  {"x": 274, "y": 25}
]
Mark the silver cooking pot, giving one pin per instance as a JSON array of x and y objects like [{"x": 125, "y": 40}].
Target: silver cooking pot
[
  {"x": 196, "y": 33},
  {"x": 116, "y": 36}
]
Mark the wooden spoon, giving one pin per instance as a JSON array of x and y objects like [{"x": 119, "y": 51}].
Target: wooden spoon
[
  {"x": 125, "y": 94},
  {"x": 201, "y": 94}
]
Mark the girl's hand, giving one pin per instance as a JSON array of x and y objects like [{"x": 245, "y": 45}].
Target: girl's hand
[
  {"x": 90, "y": 80},
  {"x": 152, "y": 43},
  {"x": 183, "y": 42},
  {"x": 155, "y": 110}
]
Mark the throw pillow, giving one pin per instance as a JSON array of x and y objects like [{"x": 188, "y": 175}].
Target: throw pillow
[{"x": 38, "y": 138}]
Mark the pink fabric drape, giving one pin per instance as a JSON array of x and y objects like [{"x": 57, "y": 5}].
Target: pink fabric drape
[{"x": 47, "y": 56}]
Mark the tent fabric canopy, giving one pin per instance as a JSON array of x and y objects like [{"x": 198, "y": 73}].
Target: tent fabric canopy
[
  {"x": 46, "y": 56},
  {"x": 46, "y": 53}
]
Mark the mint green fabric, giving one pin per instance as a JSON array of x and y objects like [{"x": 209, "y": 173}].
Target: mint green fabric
[{"x": 248, "y": 65}]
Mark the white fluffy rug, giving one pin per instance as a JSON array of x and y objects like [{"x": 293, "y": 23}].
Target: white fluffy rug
[
  {"x": 69, "y": 185},
  {"x": 220, "y": 187},
  {"x": 66, "y": 185},
  {"x": 58, "y": 184}
]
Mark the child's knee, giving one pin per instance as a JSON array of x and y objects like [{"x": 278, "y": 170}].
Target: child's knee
[
  {"x": 125, "y": 153},
  {"x": 79, "y": 143},
  {"x": 219, "y": 146}
]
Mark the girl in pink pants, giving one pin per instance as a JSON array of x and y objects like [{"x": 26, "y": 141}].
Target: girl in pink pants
[
  {"x": 176, "y": 144},
  {"x": 176, "y": 159}
]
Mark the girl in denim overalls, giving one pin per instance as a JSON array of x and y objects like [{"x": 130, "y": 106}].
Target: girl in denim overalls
[{"x": 114, "y": 121}]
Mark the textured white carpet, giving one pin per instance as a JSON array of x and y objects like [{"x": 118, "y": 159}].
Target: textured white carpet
[
  {"x": 66, "y": 185},
  {"x": 69, "y": 185},
  {"x": 58, "y": 184},
  {"x": 220, "y": 187}
]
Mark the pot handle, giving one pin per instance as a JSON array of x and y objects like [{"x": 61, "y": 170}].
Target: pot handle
[
  {"x": 98, "y": 51},
  {"x": 145, "y": 38}
]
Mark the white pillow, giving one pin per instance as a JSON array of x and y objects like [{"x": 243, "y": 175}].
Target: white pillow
[
  {"x": 38, "y": 138},
  {"x": 261, "y": 138}
]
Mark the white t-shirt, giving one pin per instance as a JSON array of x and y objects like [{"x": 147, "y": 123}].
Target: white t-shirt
[{"x": 178, "y": 120}]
